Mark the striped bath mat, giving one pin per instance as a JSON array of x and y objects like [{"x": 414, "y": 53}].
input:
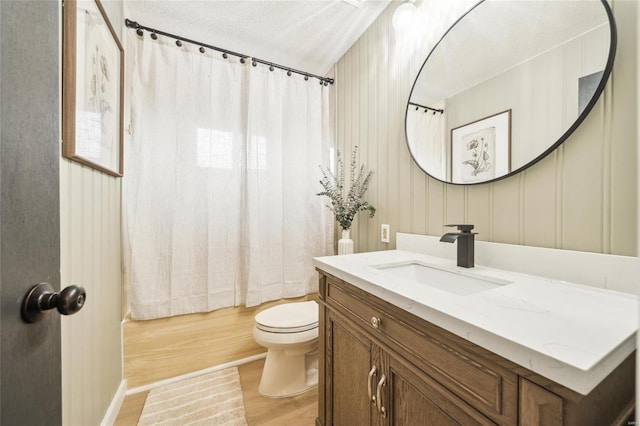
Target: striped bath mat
[{"x": 210, "y": 399}]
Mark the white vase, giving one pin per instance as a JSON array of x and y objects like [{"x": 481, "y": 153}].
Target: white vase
[{"x": 345, "y": 244}]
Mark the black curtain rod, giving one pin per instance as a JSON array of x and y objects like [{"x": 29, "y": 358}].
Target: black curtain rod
[
  {"x": 426, "y": 108},
  {"x": 225, "y": 53}
]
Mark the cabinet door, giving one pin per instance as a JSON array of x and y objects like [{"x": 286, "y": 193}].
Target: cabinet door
[
  {"x": 350, "y": 357},
  {"x": 414, "y": 398},
  {"x": 538, "y": 406}
]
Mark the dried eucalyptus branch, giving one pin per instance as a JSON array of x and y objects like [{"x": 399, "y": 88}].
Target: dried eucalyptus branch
[{"x": 345, "y": 207}]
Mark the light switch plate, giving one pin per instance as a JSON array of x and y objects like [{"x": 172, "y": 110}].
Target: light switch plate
[{"x": 384, "y": 233}]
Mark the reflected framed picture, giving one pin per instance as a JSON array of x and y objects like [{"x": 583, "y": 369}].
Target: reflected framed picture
[
  {"x": 92, "y": 88},
  {"x": 481, "y": 150}
]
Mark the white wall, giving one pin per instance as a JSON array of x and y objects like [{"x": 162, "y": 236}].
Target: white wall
[
  {"x": 581, "y": 197},
  {"x": 91, "y": 257},
  {"x": 540, "y": 113}
]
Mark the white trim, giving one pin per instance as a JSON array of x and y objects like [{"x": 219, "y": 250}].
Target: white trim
[
  {"x": 116, "y": 403},
  {"x": 195, "y": 374}
]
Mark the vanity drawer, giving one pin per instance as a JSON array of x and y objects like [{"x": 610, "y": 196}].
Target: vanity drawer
[{"x": 488, "y": 387}]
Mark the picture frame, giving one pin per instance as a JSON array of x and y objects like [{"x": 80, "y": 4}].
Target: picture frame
[
  {"x": 481, "y": 150},
  {"x": 93, "y": 88}
]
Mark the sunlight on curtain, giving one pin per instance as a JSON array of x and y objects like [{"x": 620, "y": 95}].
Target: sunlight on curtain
[{"x": 220, "y": 182}]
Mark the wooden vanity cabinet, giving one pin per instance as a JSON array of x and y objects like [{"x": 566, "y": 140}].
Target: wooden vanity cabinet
[
  {"x": 380, "y": 365},
  {"x": 372, "y": 386}
]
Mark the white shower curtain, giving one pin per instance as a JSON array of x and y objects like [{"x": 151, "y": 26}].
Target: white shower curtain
[
  {"x": 426, "y": 132},
  {"x": 220, "y": 182}
]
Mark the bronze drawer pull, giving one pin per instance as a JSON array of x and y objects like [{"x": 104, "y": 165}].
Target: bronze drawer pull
[
  {"x": 372, "y": 373},
  {"x": 381, "y": 383}
]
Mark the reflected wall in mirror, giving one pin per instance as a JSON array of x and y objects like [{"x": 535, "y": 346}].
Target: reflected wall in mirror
[{"x": 545, "y": 61}]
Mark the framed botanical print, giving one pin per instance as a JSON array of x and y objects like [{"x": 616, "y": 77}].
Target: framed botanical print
[
  {"x": 481, "y": 150},
  {"x": 93, "y": 87}
]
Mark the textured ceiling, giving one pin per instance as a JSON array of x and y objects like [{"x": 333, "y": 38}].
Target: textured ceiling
[{"x": 308, "y": 35}]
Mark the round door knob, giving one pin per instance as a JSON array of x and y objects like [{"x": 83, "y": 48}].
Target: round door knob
[
  {"x": 70, "y": 300},
  {"x": 41, "y": 298}
]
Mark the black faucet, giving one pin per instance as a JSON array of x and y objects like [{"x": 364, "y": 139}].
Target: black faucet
[{"x": 465, "y": 244}]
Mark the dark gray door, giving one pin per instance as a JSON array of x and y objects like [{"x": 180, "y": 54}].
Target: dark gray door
[{"x": 30, "y": 392}]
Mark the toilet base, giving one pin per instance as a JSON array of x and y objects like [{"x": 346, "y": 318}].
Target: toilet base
[{"x": 289, "y": 372}]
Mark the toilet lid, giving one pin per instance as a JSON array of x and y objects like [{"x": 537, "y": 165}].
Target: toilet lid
[{"x": 289, "y": 317}]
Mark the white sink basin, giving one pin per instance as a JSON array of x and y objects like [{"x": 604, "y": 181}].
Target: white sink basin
[{"x": 455, "y": 281}]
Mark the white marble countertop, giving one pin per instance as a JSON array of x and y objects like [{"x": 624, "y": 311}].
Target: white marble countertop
[{"x": 572, "y": 334}]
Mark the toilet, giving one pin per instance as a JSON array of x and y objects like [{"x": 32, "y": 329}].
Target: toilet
[{"x": 290, "y": 333}]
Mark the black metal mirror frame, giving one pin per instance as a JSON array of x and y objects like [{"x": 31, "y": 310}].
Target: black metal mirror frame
[{"x": 565, "y": 135}]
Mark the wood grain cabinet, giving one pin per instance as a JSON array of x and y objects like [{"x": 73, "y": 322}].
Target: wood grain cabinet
[{"x": 380, "y": 365}]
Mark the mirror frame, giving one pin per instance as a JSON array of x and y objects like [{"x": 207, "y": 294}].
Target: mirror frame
[{"x": 564, "y": 136}]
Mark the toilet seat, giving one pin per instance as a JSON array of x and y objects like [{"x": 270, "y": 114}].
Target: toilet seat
[
  {"x": 286, "y": 330},
  {"x": 295, "y": 317}
]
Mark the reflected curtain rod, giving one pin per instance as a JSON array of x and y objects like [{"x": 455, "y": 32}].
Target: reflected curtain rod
[
  {"x": 426, "y": 108},
  {"x": 225, "y": 53}
]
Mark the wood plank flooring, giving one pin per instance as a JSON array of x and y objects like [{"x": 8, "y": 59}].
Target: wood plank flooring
[
  {"x": 162, "y": 348},
  {"x": 299, "y": 410}
]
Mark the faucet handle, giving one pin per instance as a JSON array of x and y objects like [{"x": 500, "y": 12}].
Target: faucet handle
[{"x": 463, "y": 228}]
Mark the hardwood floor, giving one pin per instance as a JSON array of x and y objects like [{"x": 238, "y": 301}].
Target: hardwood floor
[
  {"x": 299, "y": 410},
  {"x": 162, "y": 348},
  {"x": 131, "y": 409}
]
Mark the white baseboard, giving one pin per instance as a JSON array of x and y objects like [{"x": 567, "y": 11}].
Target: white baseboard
[
  {"x": 195, "y": 374},
  {"x": 116, "y": 403}
]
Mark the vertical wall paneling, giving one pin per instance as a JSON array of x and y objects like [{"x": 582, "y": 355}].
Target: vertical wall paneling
[
  {"x": 348, "y": 128},
  {"x": 351, "y": 130},
  {"x": 390, "y": 107},
  {"x": 435, "y": 211},
  {"x": 581, "y": 197},
  {"x": 624, "y": 124},
  {"x": 419, "y": 212},
  {"x": 584, "y": 182},
  {"x": 559, "y": 154},
  {"x": 381, "y": 162},
  {"x": 365, "y": 120},
  {"x": 403, "y": 82},
  {"x": 521, "y": 197},
  {"x": 478, "y": 210},
  {"x": 372, "y": 157},
  {"x": 455, "y": 204},
  {"x": 539, "y": 197},
  {"x": 91, "y": 257},
  {"x": 607, "y": 189}
]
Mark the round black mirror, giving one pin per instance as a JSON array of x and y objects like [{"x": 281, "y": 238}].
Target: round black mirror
[{"x": 507, "y": 84}]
